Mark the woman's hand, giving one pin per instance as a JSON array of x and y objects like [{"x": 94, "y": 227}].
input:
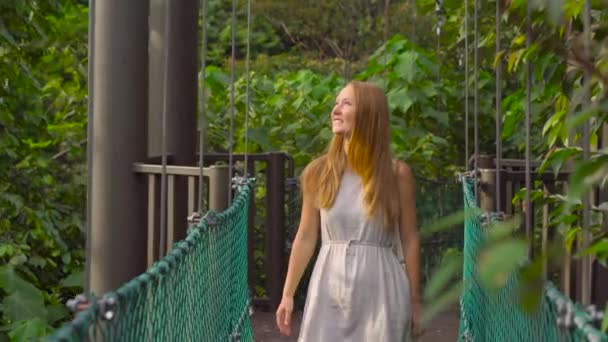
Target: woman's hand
[
  {"x": 284, "y": 315},
  {"x": 416, "y": 327}
]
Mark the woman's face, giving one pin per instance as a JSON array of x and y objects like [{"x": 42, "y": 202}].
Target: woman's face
[{"x": 343, "y": 114}]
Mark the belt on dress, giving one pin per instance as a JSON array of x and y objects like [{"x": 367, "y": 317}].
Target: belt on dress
[{"x": 349, "y": 243}]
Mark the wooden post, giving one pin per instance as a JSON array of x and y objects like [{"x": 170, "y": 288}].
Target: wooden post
[{"x": 275, "y": 230}]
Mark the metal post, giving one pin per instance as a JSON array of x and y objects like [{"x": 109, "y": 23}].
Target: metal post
[
  {"x": 182, "y": 103},
  {"x": 599, "y": 293},
  {"x": 487, "y": 180},
  {"x": 275, "y": 231},
  {"x": 218, "y": 181},
  {"x": 118, "y": 195},
  {"x": 155, "y": 74},
  {"x": 586, "y": 261},
  {"x": 529, "y": 75},
  {"x": 251, "y": 231}
]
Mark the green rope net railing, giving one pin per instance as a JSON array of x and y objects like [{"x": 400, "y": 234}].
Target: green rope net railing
[
  {"x": 197, "y": 292},
  {"x": 496, "y": 315}
]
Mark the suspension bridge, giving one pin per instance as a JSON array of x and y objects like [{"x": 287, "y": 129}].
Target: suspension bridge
[{"x": 170, "y": 254}]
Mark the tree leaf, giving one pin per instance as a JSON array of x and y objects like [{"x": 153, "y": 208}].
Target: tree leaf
[
  {"x": 10, "y": 281},
  {"x": 558, "y": 157},
  {"x": 498, "y": 261},
  {"x": 586, "y": 175},
  {"x": 75, "y": 279},
  {"x": 56, "y": 313},
  {"x": 598, "y": 248},
  {"x": 446, "y": 298},
  {"x": 450, "y": 266},
  {"x": 29, "y": 330},
  {"x": 26, "y": 303}
]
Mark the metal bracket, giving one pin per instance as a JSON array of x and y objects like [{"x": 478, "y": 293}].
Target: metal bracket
[
  {"x": 105, "y": 306},
  {"x": 239, "y": 182},
  {"x": 594, "y": 313},
  {"x": 565, "y": 314},
  {"x": 194, "y": 218},
  {"x": 211, "y": 219},
  {"x": 487, "y": 218},
  {"x": 78, "y": 303},
  {"x": 463, "y": 176}
]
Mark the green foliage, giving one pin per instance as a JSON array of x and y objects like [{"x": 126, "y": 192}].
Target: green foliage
[
  {"x": 43, "y": 117},
  {"x": 42, "y": 173},
  {"x": 558, "y": 113},
  {"x": 263, "y": 37},
  {"x": 289, "y": 110}
]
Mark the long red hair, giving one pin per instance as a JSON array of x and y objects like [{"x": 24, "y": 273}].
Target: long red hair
[{"x": 369, "y": 155}]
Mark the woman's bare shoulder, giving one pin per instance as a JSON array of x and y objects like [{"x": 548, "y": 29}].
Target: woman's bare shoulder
[{"x": 403, "y": 171}]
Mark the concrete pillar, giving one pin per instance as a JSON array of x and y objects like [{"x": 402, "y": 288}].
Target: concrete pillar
[{"x": 118, "y": 198}]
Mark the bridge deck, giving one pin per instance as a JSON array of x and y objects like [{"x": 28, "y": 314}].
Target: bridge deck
[{"x": 443, "y": 328}]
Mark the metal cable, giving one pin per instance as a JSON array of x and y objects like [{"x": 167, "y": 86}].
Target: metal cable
[
  {"x": 528, "y": 206},
  {"x": 466, "y": 84},
  {"x": 91, "y": 77},
  {"x": 163, "y": 186},
  {"x": 439, "y": 12},
  {"x": 476, "y": 90},
  {"x": 586, "y": 279},
  {"x": 414, "y": 8},
  {"x": 203, "y": 109},
  {"x": 232, "y": 72},
  {"x": 385, "y": 54},
  {"x": 498, "y": 110},
  {"x": 247, "y": 88}
]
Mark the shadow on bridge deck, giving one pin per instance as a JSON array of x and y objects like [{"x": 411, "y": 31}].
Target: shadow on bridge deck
[{"x": 444, "y": 328}]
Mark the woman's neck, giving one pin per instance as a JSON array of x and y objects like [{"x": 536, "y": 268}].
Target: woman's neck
[{"x": 345, "y": 146}]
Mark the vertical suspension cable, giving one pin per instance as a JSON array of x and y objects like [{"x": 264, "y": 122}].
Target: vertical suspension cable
[
  {"x": 91, "y": 88},
  {"x": 528, "y": 206},
  {"x": 163, "y": 186},
  {"x": 232, "y": 71},
  {"x": 247, "y": 89},
  {"x": 414, "y": 37},
  {"x": 498, "y": 198},
  {"x": 586, "y": 281},
  {"x": 201, "y": 138},
  {"x": 476, "y": 90},
  {"x": 385, "y": 52},
  {"x": 439, "y": 11},
  {"x": 466, "y": 84}
]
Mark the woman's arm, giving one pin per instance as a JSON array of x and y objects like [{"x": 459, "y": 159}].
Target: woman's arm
[
  {"x": 408, "y": 230},
  {"x": 303, "y": 245}
]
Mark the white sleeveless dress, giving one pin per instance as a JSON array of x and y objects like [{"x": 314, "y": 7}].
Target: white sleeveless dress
[{"x": 358, "y": 290}]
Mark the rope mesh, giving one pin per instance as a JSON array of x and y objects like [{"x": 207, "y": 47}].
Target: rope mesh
[
  {"x": 496, "y": 315},
  {"x": 197, "y": 292}
]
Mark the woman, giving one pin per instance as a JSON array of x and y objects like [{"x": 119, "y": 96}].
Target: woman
[{"x": 364, "y": 205}]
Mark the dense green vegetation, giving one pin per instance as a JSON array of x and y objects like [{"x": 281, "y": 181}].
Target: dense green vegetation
[{"x": 299, "y": 62}]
